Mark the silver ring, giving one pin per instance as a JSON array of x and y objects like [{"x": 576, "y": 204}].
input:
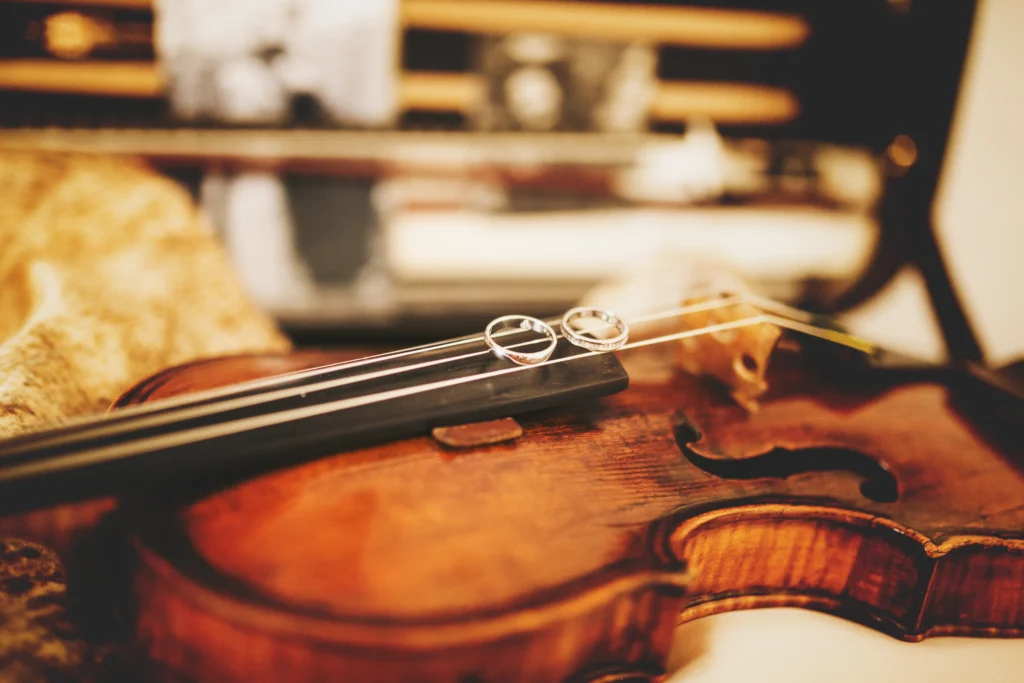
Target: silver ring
[
  {"x": 526, "y": 323},
  {"x": 574, "y": 336}
]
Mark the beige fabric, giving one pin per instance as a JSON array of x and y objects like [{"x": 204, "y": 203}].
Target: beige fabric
[
  {"x": 107, "y": 275},
  {"x": 38, "y": 640}
]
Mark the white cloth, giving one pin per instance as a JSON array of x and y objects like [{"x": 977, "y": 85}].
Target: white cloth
[{"x": 243, "y": 61}]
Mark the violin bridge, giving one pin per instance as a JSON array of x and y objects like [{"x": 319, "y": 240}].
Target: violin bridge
[{"x": 738, "y": 358}]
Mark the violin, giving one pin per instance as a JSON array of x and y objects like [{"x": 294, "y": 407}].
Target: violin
[{"x": 443, "y": 513}]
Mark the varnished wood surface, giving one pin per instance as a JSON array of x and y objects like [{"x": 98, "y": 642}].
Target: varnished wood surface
[{"x": 566, "y": 553}]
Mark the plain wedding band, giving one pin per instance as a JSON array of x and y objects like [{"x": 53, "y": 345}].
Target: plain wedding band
[
  {"x": 525, "y": 323},
  {"x": 575, "y": 337}
]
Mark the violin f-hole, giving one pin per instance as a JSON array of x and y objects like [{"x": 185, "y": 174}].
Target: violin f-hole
[{"x": 879, "y": 483}]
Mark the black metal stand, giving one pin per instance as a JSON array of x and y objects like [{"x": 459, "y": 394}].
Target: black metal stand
[{"x": 925, "y": 61}]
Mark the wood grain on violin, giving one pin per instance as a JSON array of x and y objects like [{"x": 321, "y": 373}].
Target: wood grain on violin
[{"x": 570, "y": 553}]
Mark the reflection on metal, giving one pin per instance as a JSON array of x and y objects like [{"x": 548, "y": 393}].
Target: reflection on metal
[
  {"x": 902, "y": 154},
  {"x": 71, "y": 35},
  {"x": 901, "y": 6}
]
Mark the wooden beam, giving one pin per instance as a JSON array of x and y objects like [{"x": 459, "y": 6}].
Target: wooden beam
[
  {"x": 699, "y": 27},
  {"x": 86, "y": 4},
  {"x": 727, "y": 103},
  {"x": 107, "y": 79}
]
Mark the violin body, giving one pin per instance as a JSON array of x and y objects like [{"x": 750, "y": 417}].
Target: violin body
[{"x": 568, "y": 545}]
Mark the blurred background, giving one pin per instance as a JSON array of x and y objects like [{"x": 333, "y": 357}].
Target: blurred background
[
  {"x": 410, "y": 168},
  {"x": 404, "y": 170}
]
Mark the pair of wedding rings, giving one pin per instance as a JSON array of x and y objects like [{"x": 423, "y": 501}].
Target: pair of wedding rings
[{"x": 570, "y": 330}]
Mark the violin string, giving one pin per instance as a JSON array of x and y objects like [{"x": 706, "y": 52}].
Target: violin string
[
  {"x": 123, "y": 421},
  {"x": 212, "y": 431},
  {"x": 239, "y": 388},
  {"x": 220, "y": 398},
  {"x": 120, "y": 422},
  {"x": 724, "y": 299},
  {"x": 227, "y": 428}
]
